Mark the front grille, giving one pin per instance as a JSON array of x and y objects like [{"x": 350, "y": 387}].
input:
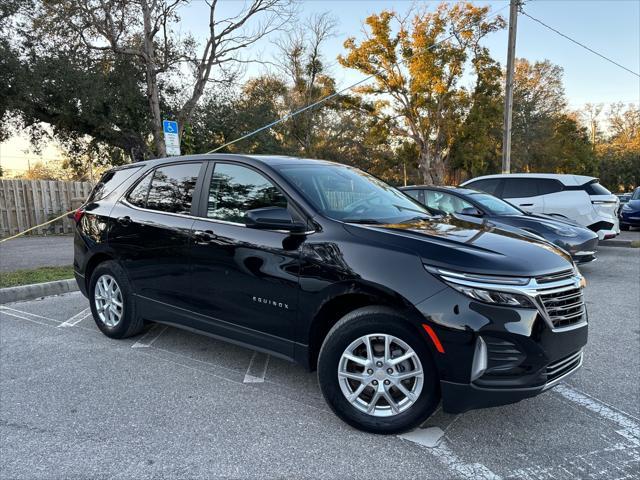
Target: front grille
[
  {"x": 564, "y": 307},
  {"x": 563, "y": 366},
  {"x": 554, "y": 277}
]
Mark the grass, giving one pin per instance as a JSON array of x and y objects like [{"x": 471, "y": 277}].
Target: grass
[{"x": 37, "y": 275}]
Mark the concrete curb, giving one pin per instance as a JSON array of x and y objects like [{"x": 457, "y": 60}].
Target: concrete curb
[{"x": 37, "y": 290}]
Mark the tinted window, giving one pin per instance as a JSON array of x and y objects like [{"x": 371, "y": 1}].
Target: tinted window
[
  {"x": 596, "y": 189},
  {"x": 494, "y": 205},
  {"x": 636, "y": 194},
  {"x": 138, "y": 196},
  {"x": 547, "y": 185},
  {"x": 446, "y": 202},
  {"x": 416, "y": 194},
  {"x": 110, "y": 181},
  {"x": 172, "y": 188},
  {"x": 520, "y": 188},
  {"x": 490, "y": 185},
  {"x": 235, "y": 189}
]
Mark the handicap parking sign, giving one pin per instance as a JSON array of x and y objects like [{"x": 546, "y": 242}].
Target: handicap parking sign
[{"x": 171, "y": 139}]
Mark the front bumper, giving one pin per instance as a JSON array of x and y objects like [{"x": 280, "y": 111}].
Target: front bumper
[
  {"x": 581, "y": 251},
  {"x": 527, "y": 353},
  {"x": 631, "y": 219}
]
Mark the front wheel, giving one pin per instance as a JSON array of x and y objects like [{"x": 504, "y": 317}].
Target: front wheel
[{"x": 376, "y": 373}]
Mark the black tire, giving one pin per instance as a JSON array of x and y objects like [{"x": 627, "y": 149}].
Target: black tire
[
  {"x": 130, "y": 323},
  {"x": 370, "y": 320},
  {"x": 624, "y": 227}
]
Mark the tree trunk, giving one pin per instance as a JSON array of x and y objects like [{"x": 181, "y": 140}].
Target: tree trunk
[
  {"x": 152, "y": 84},
  {"x": 431, "y": 167}
]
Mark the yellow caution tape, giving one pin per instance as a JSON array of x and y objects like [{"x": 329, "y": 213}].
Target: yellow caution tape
[{"x": 37, "y": 226}]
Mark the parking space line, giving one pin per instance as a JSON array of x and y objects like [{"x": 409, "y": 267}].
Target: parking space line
[
  {"x": 608, "y": 412},
  {"x": 151, "y": 336},
  {"x": 15, "y": 315},
  {"x": 433, "y": 438},
  {"x": 257, "y": 369},
  {"x": 29, "y": 314},
  {"x": 77, "y": 318}
]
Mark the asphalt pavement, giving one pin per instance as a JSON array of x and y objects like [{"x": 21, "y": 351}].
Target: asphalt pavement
[
  {"x": 29, "y": 252},
  {"x": 168, "y": 403}
]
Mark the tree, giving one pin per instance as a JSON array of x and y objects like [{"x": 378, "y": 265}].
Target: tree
[
  {"x": 477, "y": 148},
  {"x": 545, "y": 137},
  {"x": 140, "y": 32},
  {"x": 619, "y": 152},
  {"x": 417, "y": 70}
]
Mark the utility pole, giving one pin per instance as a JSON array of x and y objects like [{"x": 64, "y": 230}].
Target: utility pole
[{"x": 508, "y": 87}]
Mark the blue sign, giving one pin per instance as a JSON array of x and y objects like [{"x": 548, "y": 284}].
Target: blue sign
[{"x": 169, "y": 126}]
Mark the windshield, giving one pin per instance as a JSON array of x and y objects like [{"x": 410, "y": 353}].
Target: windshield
[
  {"x": 350, "y": 195},
  {"x": 494, "y": 205},
  {"x": 636, "y": 194}
]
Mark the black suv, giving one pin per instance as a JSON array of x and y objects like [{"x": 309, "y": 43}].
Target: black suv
[{"x": 325, "y": 265}]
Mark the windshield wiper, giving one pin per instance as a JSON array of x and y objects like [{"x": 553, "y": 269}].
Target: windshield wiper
[
  {"x": 419, "y": 217},
  {"x": 363, "y": 220}
]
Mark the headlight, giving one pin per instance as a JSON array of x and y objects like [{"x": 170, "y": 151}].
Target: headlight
[
  {"x": 490, "y": 296},
  {"x": 485, "y": 288}
]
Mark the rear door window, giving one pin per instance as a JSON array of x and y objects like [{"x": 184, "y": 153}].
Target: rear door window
[
  {"x": 548, "y": 185},
  {"x": 138, "y": 196},
  {"x": 490, "y": 185},
  {"x": 172, "y": 188},
  {"x": 110, "y": 181},
  {"x": 520, "y": 188}
]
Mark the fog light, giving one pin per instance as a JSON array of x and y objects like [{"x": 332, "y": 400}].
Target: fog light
[{"x": 479, "y": 365}]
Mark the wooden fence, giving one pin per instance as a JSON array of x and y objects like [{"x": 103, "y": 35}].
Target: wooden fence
[{"x": 27, "y": 203}]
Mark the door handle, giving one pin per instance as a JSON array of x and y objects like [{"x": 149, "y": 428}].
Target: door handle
[
  {"x": 124, "y": 221},
  {"x": 526, "y": 204},
  {"x": 204, "y": 236}
]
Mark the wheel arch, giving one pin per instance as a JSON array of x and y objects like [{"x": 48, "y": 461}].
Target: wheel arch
[
  {"x": 337, "y": 305},
  {"x": 92, "y": 264}
]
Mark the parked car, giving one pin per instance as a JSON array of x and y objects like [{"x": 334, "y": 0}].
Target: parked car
[
  {"x": 630, "y": 212},
  {"x": 624, "y": 197},
  {"x": 575, "y": 197},
  {"x": 580, "y": 242},
  {"x": 322, "y": 264}
]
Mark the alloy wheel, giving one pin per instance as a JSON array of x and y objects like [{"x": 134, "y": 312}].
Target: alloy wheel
[
  {"x": 380, "y": 375},
  {"x": 108, "y": 300}
]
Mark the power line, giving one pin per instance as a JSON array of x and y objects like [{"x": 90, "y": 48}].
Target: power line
[
  {"x": 578, "y": 43},
  {"x": 329, "y": 97}
]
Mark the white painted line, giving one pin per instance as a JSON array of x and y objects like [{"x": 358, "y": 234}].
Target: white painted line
[
  {"x": 11, "y": 314},
  {"x": 428, "y": 437},
  {"x": 433, "y": 439},
  {"x": 29, "y": 314},
  {"x": 77, "y": 318},
  {"x": 257, "y": 369},
  {"x": 151, "y": 336},
  {"x": 605, "y": 411}
]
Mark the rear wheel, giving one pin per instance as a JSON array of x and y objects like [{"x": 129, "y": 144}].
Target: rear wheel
[
  {"x": 376, "y": 372},
  {"x": 111, "y": 301}
]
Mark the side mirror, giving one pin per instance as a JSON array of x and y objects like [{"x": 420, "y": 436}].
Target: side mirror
[
  {"x": 273, "y": 218},
  {"x": 471, "y": 211}
]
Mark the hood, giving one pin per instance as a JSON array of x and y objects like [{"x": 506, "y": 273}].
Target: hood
[
  {"x": 634, "y": 204},
  {"x": 543, "y": 224},
  {"x": 470, "y": 246}
]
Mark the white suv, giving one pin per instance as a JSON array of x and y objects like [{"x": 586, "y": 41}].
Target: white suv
[{"x": 576, "y": 197}]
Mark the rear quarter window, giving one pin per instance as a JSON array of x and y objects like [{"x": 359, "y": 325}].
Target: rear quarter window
[
  {"x": 520, "y": 188},
  {"x": 594, "y": 188},
  {"x": 110, "y": 181}
]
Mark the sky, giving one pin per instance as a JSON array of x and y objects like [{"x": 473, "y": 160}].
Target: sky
[{"x": 611, "y": 27}]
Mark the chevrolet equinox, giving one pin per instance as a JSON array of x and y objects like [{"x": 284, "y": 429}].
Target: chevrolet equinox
[{"x": 323, "y": 264}]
